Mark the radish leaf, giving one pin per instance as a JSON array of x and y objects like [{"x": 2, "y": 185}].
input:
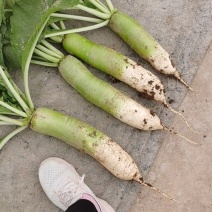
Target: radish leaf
[
  {"x": 28, "y": 21},
  {"x": 1, "y": 54},
  {"x": 11, "y": 3},
  {"x": 87, "y": 3}
]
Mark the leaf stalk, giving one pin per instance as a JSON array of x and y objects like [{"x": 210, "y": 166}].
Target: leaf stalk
[
  {"x": 82, "y": 29},
  {"x": 14, "y": 92},
  {"x": 16, "y": 111},
  {"x": 10, "y": 135},
  {"x": 77, "y": 17}
]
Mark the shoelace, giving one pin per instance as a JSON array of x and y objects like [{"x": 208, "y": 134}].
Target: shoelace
[{"x": 67, "y": 190}]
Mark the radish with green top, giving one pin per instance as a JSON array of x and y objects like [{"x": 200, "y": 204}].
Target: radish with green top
[
  {"x": 143, "y": 43},
  {"x": 136, "y": 36},
  {"x": 108, "y": 98},
  {"x": 88, "y": 139}
]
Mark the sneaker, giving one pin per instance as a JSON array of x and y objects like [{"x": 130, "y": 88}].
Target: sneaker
[{"x": 63, "y": 185}]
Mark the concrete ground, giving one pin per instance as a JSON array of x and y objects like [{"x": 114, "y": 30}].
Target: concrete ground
[{"x": 182, "y": 170}]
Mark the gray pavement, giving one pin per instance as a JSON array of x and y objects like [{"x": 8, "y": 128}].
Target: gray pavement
[
  {"x": 180, "y": 169},
  {"x": 183, "y": 28}
]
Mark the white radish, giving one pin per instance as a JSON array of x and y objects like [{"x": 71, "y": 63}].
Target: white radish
[{"x": 89, "y": 140}]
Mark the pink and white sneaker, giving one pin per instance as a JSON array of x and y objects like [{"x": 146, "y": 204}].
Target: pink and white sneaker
[{"x": 63, "y": 185}]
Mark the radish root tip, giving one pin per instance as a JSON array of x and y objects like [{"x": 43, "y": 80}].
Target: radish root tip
[{"x": 140, "y": 180}]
